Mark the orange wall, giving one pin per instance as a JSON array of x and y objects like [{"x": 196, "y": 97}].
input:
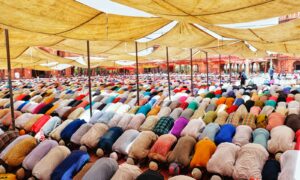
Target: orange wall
[{"x": 24, "y": 74}]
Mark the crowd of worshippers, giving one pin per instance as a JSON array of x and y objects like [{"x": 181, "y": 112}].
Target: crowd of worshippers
[{"x": 234, "y": 132}]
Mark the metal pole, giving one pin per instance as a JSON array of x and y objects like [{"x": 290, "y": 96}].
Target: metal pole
[
  {"x": 206, "y": 56},
  {"x": 89, "y": 76},
  {"x": 168, "y": 72},
  {"x": 229, "y": 70},
  {"x": 9, "y": 78},
  {"x": 220, "y": 75},
  {"x": 192, "y": 86},
  {"x": 137, "y": 73}
]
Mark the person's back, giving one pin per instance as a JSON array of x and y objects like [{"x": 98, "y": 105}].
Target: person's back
[{"x": 244, "y": 76}]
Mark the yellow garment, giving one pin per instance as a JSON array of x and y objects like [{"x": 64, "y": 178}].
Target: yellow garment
[
  {"x": 204, "y": 149},
  {"x": 254, "y": 97},
  {"x": 49, "y": 99},
  {"x": 3, "y": 112},
  {"x": 16, "y": 155},
  {"x": 8, "y": 177},
  {"x": 221, "y": 100},
  {"x": 154, "y": 111},
  {"x": 134, "y": 109},
  {"x": 53, "y": 108},
  {"x": 229, "y": 102}
]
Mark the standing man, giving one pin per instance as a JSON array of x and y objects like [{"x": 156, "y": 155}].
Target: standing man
[
  {"x": 271, "y": 73},
  {"x": 243, "y": 78}
]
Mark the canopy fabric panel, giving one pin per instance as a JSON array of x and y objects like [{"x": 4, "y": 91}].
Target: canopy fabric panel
[
  {"x": 217, "y": 43},
  {"x": 239, "y": 49},
  {"x": 126, "y": 48},
  {"x": 34, "y": 67},
  {"x": 103, "y": 48},
  {"x": 35, "y": 57},
  {"x": 14, "y": 52},
  {"x": 289, "y": 47},
  {"x": 105, "y": 63},
  {"x": 253, "y": 55},
  {"x": 41, "y": 56},
  {"x": 184, "y": 35},
  {"x": 215, "y": 11},
  {"x": 174, "y": 53},
  {"x": 116, "y": 50},
  {"x": 124, "y": 57},
  {"x": 71, "y": 19},
  {"x": 15, "y": 65},
  {"x": 49, "y": 16},
  {"x": 279, "y": 33},
  {"x": 20, "y": 40},
  {"x": 80, "y": 46},
  {"x": 114, "y": 27},
  {"x": 160, "y": 53}
]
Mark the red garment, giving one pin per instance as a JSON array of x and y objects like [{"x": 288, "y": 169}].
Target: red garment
[
  {"x": 183, "y": 89},
  {"x": 218, "y": 92},
  {"x": 40, "y": 123},
  {"x": 297, "y": 146},
  {"x": 80, "y": 97},
  {"x": 143, "y": 101},
  {"x": 232, "y": 109},
  {"x": 82, "y": 104},
  {"x": 161, "y": 148},
  {"x": 20, "y": 97},
  {"x": 117, "y": 99},
  {"x": 289, "y": 99},
  {"x": 176, "y": 90},
  {"x": 184, "y": 105},
  {"x": 152, "y": 90},
  {"x": 182, "y": 99},
  {"x": 180, "y": 90},
  {"x": 38, "y": 108}
]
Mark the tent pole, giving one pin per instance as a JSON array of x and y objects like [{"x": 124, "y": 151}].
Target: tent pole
[
  {"x": 89, "y": 76},
  {"x": 206, "y": 56},
  {"x": 220, "y": 75},
  {"x": 192, "y": 86},
  {"x": 9, "y": 78},
  {"x": 137, "y": 73},
  {"x": 22, "y": 73},
  {"x": 168, "y": 72},
  {"x": 229, "y": 70},
  {"x": 154, "y": 71}
]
